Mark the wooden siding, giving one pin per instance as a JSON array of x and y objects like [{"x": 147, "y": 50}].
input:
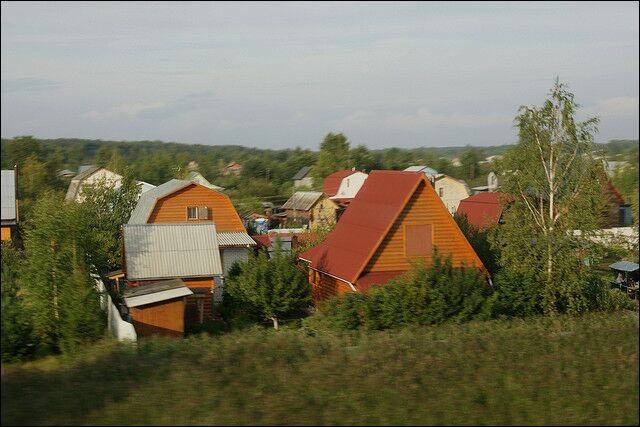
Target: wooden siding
[
  {"x": 6, "y": 233},
  {"x": 161, "y": 318},
  {"x": 173, "y": 208},
  {"x": 324, "y": 286},
  {"x": 423, "y": 208},
  {"x": 324, "y": 213}
]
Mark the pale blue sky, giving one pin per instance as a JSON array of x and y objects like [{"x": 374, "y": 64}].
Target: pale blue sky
[{"x": 284, "y": 74}]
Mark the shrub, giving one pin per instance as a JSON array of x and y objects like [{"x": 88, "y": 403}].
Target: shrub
[{"x": 517, "y": 294}]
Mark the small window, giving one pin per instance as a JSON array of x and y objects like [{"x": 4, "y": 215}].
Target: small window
[
  {"x": 441, "y": 192},
  {"x": 192, "y": 213},
  {"x": 203, "y": 212},
  {"x": 418, "y": 240}
]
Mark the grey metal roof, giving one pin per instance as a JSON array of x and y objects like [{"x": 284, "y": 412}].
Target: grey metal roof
[
  {"x": 155, "y": 291},
  {"x": 148, "y": 199},
  {"x": 83, "y": 168},
  {"x": 302, "y": 200},
  {"x": 302, "y": 172},
  {"x": 8, "y": 197},
  {"x": 424, "y": 169},
  {"x": 197, "y": 177},
  {"x": 235, "y": 239},
  {"x": 153, "y": 286},
  {"x": 624, "y": 266},
  {"x": 159, "y": 251}
]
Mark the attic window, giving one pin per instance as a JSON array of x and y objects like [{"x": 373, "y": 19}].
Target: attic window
[
  {"x": 418, "y": 240},
  {"x": 197, "y": 212}
]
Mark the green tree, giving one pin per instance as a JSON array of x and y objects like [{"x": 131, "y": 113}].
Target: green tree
[
  {"x": 363, "y": 159},
  {"x": 470, "y": 160},
  {"x": 274, "y": 287},
  {"x": 553, "y": 179},
  {"x": 334, "y": 156},
  {"x": 17, "y": 327}
]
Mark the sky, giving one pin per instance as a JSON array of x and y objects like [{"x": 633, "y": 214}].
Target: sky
[{"x": 281, "y": 75}]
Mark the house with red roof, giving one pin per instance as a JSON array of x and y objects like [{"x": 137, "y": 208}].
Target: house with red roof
[
  {"x": 395, "y": 219},
  {"x": 339, "y": 189},
  {"x": 482, "y": 210}
]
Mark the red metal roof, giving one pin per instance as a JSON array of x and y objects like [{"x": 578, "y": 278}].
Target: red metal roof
[
  {"x": 364, "y": 224},
  {"x": 482, "y": 209},
  {"x": 264, "y": 241},
  {"x": 333, "y": 181},
  {"x": 367, "y": 280}
]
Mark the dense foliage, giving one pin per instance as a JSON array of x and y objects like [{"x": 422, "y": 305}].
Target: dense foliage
[
  {"x": 271, "y": 286},
  {"x": 542, "y": 371}
]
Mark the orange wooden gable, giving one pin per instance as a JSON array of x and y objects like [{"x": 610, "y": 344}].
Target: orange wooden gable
[
  {"x": 423, "y": 214},
  {"x": 396, "y": 218},
  {"x": 172, "y": 208}
]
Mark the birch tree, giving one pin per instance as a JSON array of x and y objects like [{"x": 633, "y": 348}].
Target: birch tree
[{"x": 552, "y": 175}]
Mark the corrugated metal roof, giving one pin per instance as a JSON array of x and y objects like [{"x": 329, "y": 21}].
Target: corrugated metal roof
[
  {"x": 157, "y": 296},
  {"x": 625, "y": 266},
  {"x": 362, "y": 226},
  {"x": 424, "y": 169},
  {"x": 302, "y": 200},
  {"x": 199, "y": 179},
  {"x": 235, "y": 239},
  {"x": 8, "y": 196},
  {"x": 158, "y": 251},
  {"x": 333, "y": 181},
  {"x": 482, "y": 210},
  {"x": 302, "y": 172},
  {"x": 148, "y": 199}
]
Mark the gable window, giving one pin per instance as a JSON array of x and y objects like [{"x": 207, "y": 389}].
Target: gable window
[
  {"x": 418, "y": 240},
  {"x": 197, "y": 212}
]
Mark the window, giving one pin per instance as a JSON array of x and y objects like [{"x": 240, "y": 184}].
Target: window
[
  {"x": 441, "y": 192},
  {"x": 197, "y": 212},
  {"x": 418, "y": 240}
]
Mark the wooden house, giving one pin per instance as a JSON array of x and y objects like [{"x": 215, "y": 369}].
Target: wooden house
[
  {"x": 185, "y": 202},
  {"x": 395, "y": 218},
  {"x": 9, "y": 203},
  {"x": 158, "y": 307},
  {"x": 299, "y": 207},
  {"x": 189, "y": 252}
]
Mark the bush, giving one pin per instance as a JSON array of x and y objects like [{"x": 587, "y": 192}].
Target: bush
[
  {"x": 424, "y": 295},
  {"x": 517, "y": 294}
]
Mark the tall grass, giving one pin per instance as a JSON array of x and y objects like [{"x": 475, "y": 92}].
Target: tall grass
[{"x": 552, "y": 371}]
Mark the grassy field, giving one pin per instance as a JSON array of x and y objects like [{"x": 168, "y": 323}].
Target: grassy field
[{"x": 543, "y": 371}]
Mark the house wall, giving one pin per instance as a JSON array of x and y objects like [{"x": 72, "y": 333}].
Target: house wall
[
  {"x": 307, "y": 181},
  {"x": 453, "y": 192},
  {"x": 323, "y": 213},
  {"x": 6, "y": 233},
  {"x": 303, "y": 217},
  {"x": 173, "y": 208},
  {"x": 324, "y": 286},
  {"x": 423, "y": 208},
  {"x": 230, "y": 256},
  {"x": 161, "y": 318}
]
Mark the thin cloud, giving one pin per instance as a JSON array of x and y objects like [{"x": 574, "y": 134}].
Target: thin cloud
[{"x": 28, "y": 84}]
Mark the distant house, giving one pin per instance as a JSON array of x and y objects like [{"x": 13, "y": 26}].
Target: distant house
[
  {"x": 189, "y": 253},
  {"x": 430, "y": 173},
  {"x": 482, "y": 210},
  {"x": 185, "y": 202},
  {"x": 289, "y": 241},
  {"x": 395, "y": 218},
  {"x": 144, "y": 187},
  {"x": 9, "y": 203},
  {"x": 492, "y": 184},
  {"x": 197, "y": 177},
  {"x": 66, "y": 173},
  {"x": 232, "y": 168},
  {"x": 339, "y": 189},
  {"x": 451, "y": 191},
  {"x": 303, "y": 178},
  {"x": 91, "y": 175},
  {"x": 616, "y": 213},
  {"x": 300, "y": 205}
]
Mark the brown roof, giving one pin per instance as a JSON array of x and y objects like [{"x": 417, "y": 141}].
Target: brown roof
[
  {"x": 333, "y": 181},
  {"x": 362, "y": 227}
]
